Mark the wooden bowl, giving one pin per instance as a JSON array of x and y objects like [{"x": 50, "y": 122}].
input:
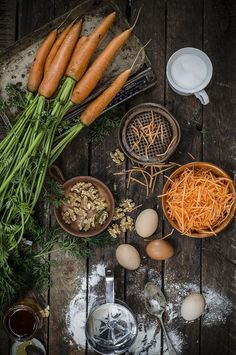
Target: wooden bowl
[
  {"x": 57, "y": 174},
  {"x": 218, "y": 172}
]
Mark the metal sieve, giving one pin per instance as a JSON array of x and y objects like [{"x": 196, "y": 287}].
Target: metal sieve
[
  {"x": 111, "y": 327},
  {"x": 165, "y": 143}
]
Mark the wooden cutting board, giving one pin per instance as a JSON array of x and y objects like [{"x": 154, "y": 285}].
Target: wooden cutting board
[{"x": 16, "y": 60}]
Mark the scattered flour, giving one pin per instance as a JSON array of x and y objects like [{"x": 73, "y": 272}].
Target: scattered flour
[
  {"x": 148, "y": 341},
  {"x": 171, "y": 311},
  {"x": 177, "y": 341},
  {"x": 179, "y": 292},
  {"x": 218, "y": 307},
  {"x": 76, "y": 313}
]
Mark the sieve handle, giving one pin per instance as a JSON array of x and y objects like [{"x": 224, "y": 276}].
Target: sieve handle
[{"x": 110, "y": 294}]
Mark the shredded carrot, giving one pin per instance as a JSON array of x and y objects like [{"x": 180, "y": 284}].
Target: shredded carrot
[
  {"x": 199, "y": 201},
  {"x": 145, "y": 175},
  {"x": 191, "y": 156},
  {"x": 146, "y": 135},
  {"x": 168, "y": 235}
]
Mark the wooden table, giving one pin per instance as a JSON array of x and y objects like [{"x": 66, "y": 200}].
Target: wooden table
[{"x": 208, "y": 133}]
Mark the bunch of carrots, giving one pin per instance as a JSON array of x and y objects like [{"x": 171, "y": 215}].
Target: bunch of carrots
[{"x": 30, "y": 145}]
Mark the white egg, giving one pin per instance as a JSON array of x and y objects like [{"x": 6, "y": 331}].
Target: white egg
[
  {"x": 128, "y": 256},
  {"x": 146, "y": 223},
  {"x": 193, "y": 306}
]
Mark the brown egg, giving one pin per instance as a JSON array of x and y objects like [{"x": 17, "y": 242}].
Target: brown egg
[{"x": 159, "y": 249}]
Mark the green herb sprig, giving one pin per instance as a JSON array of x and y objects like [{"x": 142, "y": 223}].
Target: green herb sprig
[
  {"x": 105, "y": 125},
  {"x": 29, "y": 264},
  {"x": 53, "y": 192}
]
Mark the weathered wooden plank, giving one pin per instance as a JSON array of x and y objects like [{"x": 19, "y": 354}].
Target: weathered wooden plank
[
  {"x": 97, "y": 262},
  {"x": 182, "y": 272},
  {"x": 219, "y": 146},
  {"x": 69, "y": 291},
  {"x": 62, "y": 6},
  {"x": 7, "y": 37},
  {"x": 151, "y": 24},
  {"x": 124, "y": 6},
  {"x": 69, "y": 276},
  {"x": 103, "y": 168},
  {"x": 33, "y": 14},
  {"x": 7, "y": 23}
]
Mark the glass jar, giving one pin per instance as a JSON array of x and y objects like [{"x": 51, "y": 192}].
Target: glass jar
[{"x": 22, "y": 320}]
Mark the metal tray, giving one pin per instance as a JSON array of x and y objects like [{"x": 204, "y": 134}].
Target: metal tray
[{"x": 15, "y": 61}]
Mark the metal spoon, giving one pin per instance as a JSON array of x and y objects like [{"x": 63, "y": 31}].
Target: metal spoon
[
  {"x": 33, "y": 350},
  {"x": 155, "y": 303}
]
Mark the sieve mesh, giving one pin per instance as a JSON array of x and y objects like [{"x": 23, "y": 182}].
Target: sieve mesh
[
  {"x": 164, "y": 142},
  {"x": 161, "y": 142}
]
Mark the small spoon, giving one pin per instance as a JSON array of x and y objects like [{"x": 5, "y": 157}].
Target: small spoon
[{"x": 155, "y": 303}]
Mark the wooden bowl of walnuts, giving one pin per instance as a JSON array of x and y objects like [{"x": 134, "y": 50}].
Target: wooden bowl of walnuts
[{"x": 88, "y": 205}]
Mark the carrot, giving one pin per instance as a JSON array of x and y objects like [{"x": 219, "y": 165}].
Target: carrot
[
  {"x": 36, "y": 71},
  {"x": 73, "y": 64},
  {"x": 56, "y": 46},
  {"x": 95, "y": 72},
  {"x": 96, "y": 107},
  {"x": 93, "y": 110},
  {"x": 58, "y": 66},
  {"x": 85, "y": 54},
  {"x": 89, "y": 115}
]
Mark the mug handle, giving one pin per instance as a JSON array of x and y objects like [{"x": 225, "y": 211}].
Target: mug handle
[
  {"x": 110, "y": 294},
  {"x": 202, "y": 96}
]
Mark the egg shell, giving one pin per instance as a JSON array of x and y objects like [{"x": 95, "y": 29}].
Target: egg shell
[
  {"x": 159, "y": 249},
  {"x": 128, "y": 256},
  {"x": 146, "y": 223},
  {"x": 193, "y": 306}
]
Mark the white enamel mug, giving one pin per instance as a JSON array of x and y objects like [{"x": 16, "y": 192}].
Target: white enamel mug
[{"x": 189, "y": 71}]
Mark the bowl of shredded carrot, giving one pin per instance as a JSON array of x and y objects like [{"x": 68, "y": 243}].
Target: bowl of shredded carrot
[{"x": 199, "y": 199}]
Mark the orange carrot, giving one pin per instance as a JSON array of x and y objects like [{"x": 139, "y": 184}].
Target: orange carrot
[
  {"x": 36, "y": 71},
  {"x": 85, "y": 54},
  {"x": 96, "y": 107},
  {"x": 56, "y": 46},
  {"x": 58, "y": 66},
  {"x": 73, "y": 65},
  {"x": 95, "y": 72}
]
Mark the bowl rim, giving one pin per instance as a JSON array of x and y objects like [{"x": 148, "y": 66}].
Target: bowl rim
[
  {"x": 144, "y": 107},
  {"x": 199, "y": 164},
  {"x": 96, "y": 231}
]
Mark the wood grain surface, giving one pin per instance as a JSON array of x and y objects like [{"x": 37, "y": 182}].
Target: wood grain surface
[
  {"x": 219, "y": 147},
  {"x": 8, "y": 29},
  {"x": 150, "y": 270},
  {"x": 208, "y": 133},
  {"x": 183, "y": 271}
]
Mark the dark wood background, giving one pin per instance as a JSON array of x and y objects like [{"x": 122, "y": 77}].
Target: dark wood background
[{"x": 208, "y": 133}]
